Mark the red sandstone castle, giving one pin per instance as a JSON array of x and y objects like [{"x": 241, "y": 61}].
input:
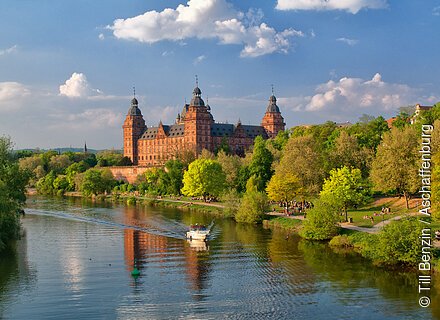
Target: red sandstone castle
[{"x": 193, "y": 131}]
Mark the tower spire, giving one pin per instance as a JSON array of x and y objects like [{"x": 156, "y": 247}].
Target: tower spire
[
  {"x": 272, "y": 88},
  {"x": 197, "y": 81},
  {"x": 134, "y": 91}
]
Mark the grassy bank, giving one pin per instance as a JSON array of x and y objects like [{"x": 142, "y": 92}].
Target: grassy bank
[{"x": 288, "y": 224}]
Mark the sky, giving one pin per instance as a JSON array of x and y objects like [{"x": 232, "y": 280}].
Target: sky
[{"x": 68, "y": 68}]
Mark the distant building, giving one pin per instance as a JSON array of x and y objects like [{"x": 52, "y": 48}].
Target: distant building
[
  {"x": 418, "y": 111},
  {"x": 193, "y": 131},
  {"x": 390, "y": 121}
]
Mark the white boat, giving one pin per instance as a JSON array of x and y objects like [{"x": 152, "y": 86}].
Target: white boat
[{"x": 198, "y": 232}]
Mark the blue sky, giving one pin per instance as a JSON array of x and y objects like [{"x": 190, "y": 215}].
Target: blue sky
[{"x": 67, "y": 68}]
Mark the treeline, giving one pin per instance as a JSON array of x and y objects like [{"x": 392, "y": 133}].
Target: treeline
[{"x": 13, "y": 181}]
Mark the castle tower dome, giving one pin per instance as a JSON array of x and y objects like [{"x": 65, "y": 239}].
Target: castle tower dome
[
  {"x": 273, "y": 121},
  {"x": 197, "y": 100}
]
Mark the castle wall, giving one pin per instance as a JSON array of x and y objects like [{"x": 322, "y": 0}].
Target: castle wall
[{"x": 127, "y": 174}]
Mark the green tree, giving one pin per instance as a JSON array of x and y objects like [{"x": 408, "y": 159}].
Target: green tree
[
  {"x": 231, "y": 165},
  {"x": 253, "y": 207},
  {"x": 59, "y": 163},
  {"x": 204, "y": 177},
  {"x": 398, "y": 243},
  {"x": 73, "y": 170},
  {"x": 435, "y": 190},
  {"x": 283, "y": 187},
  {"x": 369, "y": 134},
  {"x": 347, "y": 152},
  {"x": 321, "y": 222},
  {"x": 97, "y": 181},
  {"x": 45, "y": 184},
  {"x": 174, "y": 169},
  {"x": 261, "y": 163},
  {"x": 396, "y": 164},
  {"x": 345, "y": 188},
  {"x": 13, "y": 181},
  {"x": 302, "y": 158},
  {"x": 402, "y": 120}
]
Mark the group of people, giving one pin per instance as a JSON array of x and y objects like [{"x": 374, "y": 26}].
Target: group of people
[
  {"x": 385, "y": 210},
  {"x": 292, "y": 207}
]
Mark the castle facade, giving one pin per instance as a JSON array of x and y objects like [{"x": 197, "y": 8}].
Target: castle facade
[{"x": 193, "y": 131}]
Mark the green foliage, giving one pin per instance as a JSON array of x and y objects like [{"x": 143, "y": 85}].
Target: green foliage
[
  {"x": 59, "y": 163},
  {"x": 243, "y": 176},
  {"x": 435, "y": 187},
  {"x": 231, "y": 165},
  {"x": 204, "y": 177},
  {"x": 72, "y": 171},
  {"x": 369, "y": 134},
  {"x": 157, "y": 182},
  {"x": 223, "y": 147},
  {"x": 397, "y": 162},
  {"x": 261, "y": 163},
  {"x": 402, "y": 120},
  {"x": 321, "y": 222},
  {"x": 397, "y": 243},
  {"x": 97, "y": 181},
  {"x": 45, "y": 184},
  {"x": 347, "y": 152},
  {"x": 13, "y": 181},
  {"x": 253, "y": 207},
  {"x": 345, "y": 188},
  {"x": 280, "y": 141},
  {"x": 303, "y": 158},
  {"x": 283, "y": 187},
  {"x": 231, "y": 200},
  {"x": 108, "y": 158},
  {"x": 174, "y": 169}
]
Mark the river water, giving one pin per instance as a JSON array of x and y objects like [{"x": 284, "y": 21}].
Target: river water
[{"x": 76, "y": 257}]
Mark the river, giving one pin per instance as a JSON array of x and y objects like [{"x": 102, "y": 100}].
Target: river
[{"x": 75, "y": 261}]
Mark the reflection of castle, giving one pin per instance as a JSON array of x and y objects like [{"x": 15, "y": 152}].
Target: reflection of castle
[
  {"x": 144, "y": 246},
  {"x": 193, "y": 131}
]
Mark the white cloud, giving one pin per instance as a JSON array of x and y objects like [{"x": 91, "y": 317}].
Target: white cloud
[
  {"x": 95, "y": 118},
  {"x": 356, "y": 96},
  {"x": 352, "y": 6},
  {"x": 436, "y": 11},
  {"x": 350, "y": 42},
  {"x": 77, "y": 86},
  {"x": 101, "y": 36},
  {"x": 12, "y": 90},
  {"x": 9, "y": 50},
  {"x": 199, "y": 59},
  {"x": 167, "y": 53},
  {"x": 206, "y": 19}
]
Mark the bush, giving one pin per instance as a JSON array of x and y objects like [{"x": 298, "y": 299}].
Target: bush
[
  {"x": 253, "y": 207},
  {"x": 341, "y": 241},
  {"x": 321, "y": 222}
]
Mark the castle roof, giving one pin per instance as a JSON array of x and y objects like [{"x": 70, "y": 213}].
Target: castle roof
[
  {"x": 134, "y": 109},
  {"x": 272, "y": 106},
  {"x": 174, "y": 130}
]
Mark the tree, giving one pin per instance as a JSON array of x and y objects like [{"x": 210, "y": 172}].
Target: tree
[
  {"x": 174, "y": 170},
  {"x": 435, "y": 187},
  {"x": 45, "y": 184},
  {"x": 261, "y": 163},
  {"x": 13, "y": 181},
  {"x": 396, "y": 164},
  {"x": 59, "y": 163},
  {"x": 283, "y": 187},
  {"x": 231, "y": 165},
  {"x": 347, "y": 152},
  {"x": 344, "y": 188},
  {"x": 253, "y": 207},
  {"x": 204, "y": 177},
  {"x": 369, "y": 134},
  {"x": 303, "y": 159},
  {"x": 97, "y": 181},
  {"x": 402, "y": 120},
  {"x": 321, "y": 222}
]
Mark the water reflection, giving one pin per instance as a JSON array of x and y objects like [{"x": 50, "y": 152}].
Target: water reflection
[{"x": 245, "y": 271}]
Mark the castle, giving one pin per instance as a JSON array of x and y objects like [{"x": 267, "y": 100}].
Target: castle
[{"x": 193, "y": 131}]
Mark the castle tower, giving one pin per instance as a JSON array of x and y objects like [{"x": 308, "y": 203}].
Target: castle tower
[
  {"x": 134, "y": 127},
  {"x": 273, "y": 121},
  {"x": 198, "y": 120}
]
